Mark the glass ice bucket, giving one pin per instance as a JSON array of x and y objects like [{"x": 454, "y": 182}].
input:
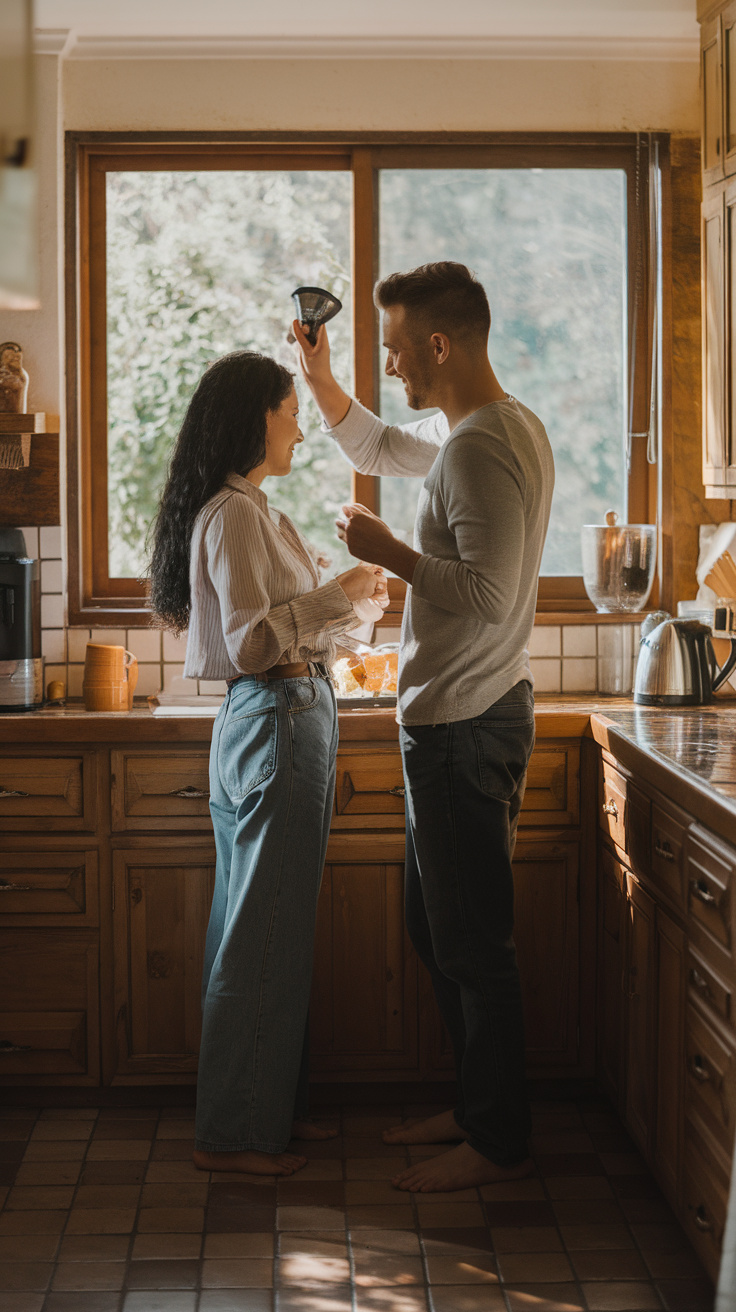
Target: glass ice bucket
[{"x": 618, "y": 564}]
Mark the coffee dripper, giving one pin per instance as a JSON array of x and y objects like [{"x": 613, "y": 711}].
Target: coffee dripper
[{"x": 314, "y": 306}]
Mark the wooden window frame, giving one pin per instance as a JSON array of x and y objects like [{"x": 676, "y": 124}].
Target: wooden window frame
[{"x": 94, "y": 598}]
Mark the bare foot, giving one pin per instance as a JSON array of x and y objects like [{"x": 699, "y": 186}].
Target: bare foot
[
  {"x": 461, "y": 1168},
  {"x": 249, "y": 1163},
  {"x": 436, "y": 1129},
  {"x": 311, "y": 1130}
]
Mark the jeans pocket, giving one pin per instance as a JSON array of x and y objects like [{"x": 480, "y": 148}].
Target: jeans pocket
[
  {"x": 247, "y": 751},
  {"x": 302, "y": 694},
  {"x": 503, "y": 749}
]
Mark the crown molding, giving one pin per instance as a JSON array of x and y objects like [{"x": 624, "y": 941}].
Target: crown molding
[
  {"x": 52, "y": 40},
  {"x": 638, "y": 49}
]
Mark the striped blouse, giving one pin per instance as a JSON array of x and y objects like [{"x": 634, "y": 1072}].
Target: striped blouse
[{"x": 256, "y": 599}]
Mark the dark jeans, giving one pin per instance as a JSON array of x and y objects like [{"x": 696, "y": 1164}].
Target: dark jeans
[{"x": 464, "y": 789}]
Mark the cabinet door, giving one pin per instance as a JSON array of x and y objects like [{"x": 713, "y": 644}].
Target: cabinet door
[
  {"x": 714, "y": 346},
  {"x": 671, "y": 987},
  {"x": 728, "y": 73},
  {"x": 546, "y": 934},
  {"x": 161, "y": 909},
  {"x": 49, "y": 1010},
  {"x": 611, "y": 901},
  {"x": 712, "y": 101},
  {"x": 363, "y": 1014},
  {"x": 639, "y": 988}
]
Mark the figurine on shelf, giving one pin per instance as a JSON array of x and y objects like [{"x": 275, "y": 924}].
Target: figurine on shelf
[{"x": 13, "y": 380}]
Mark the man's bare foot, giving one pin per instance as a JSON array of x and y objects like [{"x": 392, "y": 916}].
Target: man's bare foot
[
  {"x": 461, "y": 1168},
  {"x": 249, "y": 1163},
  {"x": 312, "y": 1130},
  {"x": 436, "y": 1129}
]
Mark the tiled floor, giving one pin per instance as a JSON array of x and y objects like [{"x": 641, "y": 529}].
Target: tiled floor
[{"x": 104, "y": 1212}]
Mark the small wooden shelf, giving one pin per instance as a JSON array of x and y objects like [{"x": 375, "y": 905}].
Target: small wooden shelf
[{"x": 30, "y": 495}]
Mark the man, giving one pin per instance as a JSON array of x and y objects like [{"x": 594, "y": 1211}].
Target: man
[{"x": 465, "y": 702}]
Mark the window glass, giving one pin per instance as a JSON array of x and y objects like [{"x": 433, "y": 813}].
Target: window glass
[
  {"x": 198, "y": 264},
  {"x": 549, "y": 245}
]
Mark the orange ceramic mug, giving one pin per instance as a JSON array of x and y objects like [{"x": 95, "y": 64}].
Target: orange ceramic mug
[{"x": 109, "y": 678}]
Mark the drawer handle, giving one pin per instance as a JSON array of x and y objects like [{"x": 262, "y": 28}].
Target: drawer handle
[
  {"x": 701, "y": 984},
  {"x": 189, "y": 792},
  {"x": 699, "y": 890},
  {"x": 397, "y": 792},
  {"x": 610, "y": 808},
  {"x": 665, "y": 851},
  {"x": 13, "y": 792},
  {"x": 7, "y": 1046},
  {"x": 701, "y": 1219},
  {"x": 7, "y": 887},
  {"x": 698, "y": 1070}
]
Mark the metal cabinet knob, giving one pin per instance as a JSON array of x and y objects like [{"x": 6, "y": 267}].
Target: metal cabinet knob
[
  {"x": 701, "y": 1219},
  {"x": 13, "y": 792},
  {"x": 610, "y": 808},
  {"x": 696, "y": 1067},
  {"x": 665, "y": 851},
  {"x": 397, "y": 792},
  {"x": 189, "y": 792},
  {"x": 699, "y": 891}
]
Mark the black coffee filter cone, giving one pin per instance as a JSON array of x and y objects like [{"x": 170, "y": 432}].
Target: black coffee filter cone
[{"x": 314, "y": 306}]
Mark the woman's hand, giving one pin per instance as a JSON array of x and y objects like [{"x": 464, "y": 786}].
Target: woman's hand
[{"x": 364, "y": 581}]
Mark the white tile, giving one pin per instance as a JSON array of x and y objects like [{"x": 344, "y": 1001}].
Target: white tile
[
  {"x": 579, "y": 674},
  {"x": 31, "y": 540},
  {"x": 149, "y": 680},
  {"x": 53, "y": 644},
  {"x": 181, "y": 686},
  {"x": 52, "y": 672},
  {"x": 52, "y": 612},
  {"x": 385, "y": 634},
  {"x": 212, "y": 687},
  {"x": 545, "y": 640},
  {"x": 109, "y": 637},
  {"x": 174, "y": 648},
  {"x": 145, "y": 644},
  {"x": 50, "y": 543},
  {"x": 51, "y": 576},
  {"x": 77, "y": 640},
  {"x": 546, "y": 675},
  {"x": 578, "y": 640},
  {"x": 175, "y": 672},
  {"x": 75, "y": 679}
]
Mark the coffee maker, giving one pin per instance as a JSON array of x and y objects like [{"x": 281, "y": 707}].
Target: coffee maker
[{"x": 21, "y": 664}]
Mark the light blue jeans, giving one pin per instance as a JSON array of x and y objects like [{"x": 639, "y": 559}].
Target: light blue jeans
[{"x": 272, "y": 783}]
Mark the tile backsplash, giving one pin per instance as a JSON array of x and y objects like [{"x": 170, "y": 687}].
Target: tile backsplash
[{"x": 564, "y": 657}]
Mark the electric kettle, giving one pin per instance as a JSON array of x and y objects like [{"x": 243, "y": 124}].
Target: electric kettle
[{"x": 677, "y": 665}]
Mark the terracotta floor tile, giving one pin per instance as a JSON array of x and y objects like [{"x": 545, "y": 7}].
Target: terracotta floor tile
[
  {"x": 659, "y": 1238},
  {"x": 233, "y": 1300},
  {"x": 23, "y": 1302},
  {"x": 569, "y": 1164},
  {"x": 514, "y": 1191},
  {"x": 159, "y": 1301},
  {"x": 64, "y": 1150},
  {"x": 311, "y": 1193},
  {"x": 100, "y": 1220},
  {"x": 324, "y": 1168},
  {"x": 127, "y": 1114},
  {"x": 467, "y": 1270},
  {"x": 391, "y": 1299},
  {"x": 121, "y": 1150},
  {"x": 239, "y": 1177},
  {"x": 168, "y": 1220},
  {"x": 89, "y": 1275},
  {"x": 562, "y": 1142},
  {"x": 16, "y": 1151},
  {"x": 373, "y": 1168},
  {"x": 647, "y": 1211},
  {"x": 384, "y": 1241},
  {"x": 310, "y": 1243},
  {"x": 173, "y": 1172},
  {"x": 675, "y": 1266},
  {"x": 75, "y": 1301},
  {"x": 453, "y": 1241},
  {"x": 369, "y": 1125},
  {"x": 544, "y": 1298},
  {"x": 164, "y": 1247},
  {"x": 14, "y": 1131},
  {"x": 42, "y": 1197},
  {"x": 25, "y": 1275},
  {"x": 417, "y": 1153},
  {"x": 312, "y": 1269},
  {"x": 332, "y": 1298},
  {"x": 613, "y": 1142},
  {"x": 636, "y": 1186},
  {"x": 686, "y": 1295},
  {"x": 517, "y": 1214},
  {"x": 58, "y": 1130},
  {"x": 321, "y": 1149},
  {"x": 310, "y": 1218},
  {"x": 377, "y": 1216},
  {"x": 602, "y": 1122},
  {"x": 373, "y": 1191},
  {"x": 579, "y": 1186},
  {"x": 237, "y": 1273},
  {"x": 107, "y": 1195},
  {"x": 526, "y": 1239},
  {"x": 113, "y": 1173},
  {"x": 608, "y": 1264},
  {"x": 69, "y": 1114},
  {"x": 170, "y": 1273},
  {"x": 229, "y": 1219},
  {"x": 555, "y": 1122},
  {"x": 623, "y": 1164},
  {"x": 358, "y": 1146},
  {"x": 467, "y": 1298},
  {"x": 180, "y": 1193},
  {"x": 596, "y": 1236},
  {"x": 18, "y": 1114},
  {"x": 238, "y": 1193},
  {"x": 622, "y": 1296},
  {"x": 373, "y": 1270},
  {"x": 9, "y": 1172},
  {"x": 588, "y": 1211},
  {"x": 172, "y": 1150},
  {"x": 124, "y": 1130},
  {"x": 239, "y": 1245},
  {"x": 187, "y": 1113},
  {"x": 28, "y": 1248},
  {"x": 443, "y": 1214},
  {"x": 94, "y": 1248},
  {"x": 531, "y": 1267},
  {"x": 175, "y": 1129},
  {"x": 32, "y": 1223},
  {"x": 48, "y": 1173}
]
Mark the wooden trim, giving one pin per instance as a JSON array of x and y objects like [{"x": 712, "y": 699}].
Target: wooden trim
[{"x": 365, "y": 488}]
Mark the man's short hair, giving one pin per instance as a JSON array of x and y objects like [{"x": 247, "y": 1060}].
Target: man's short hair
[{"x": 440, "y": 298}]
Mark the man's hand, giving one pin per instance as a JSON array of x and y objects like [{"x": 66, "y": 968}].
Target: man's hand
[
  {"x": 315, "y": 368},
  {"x": 368, "y": 538}
]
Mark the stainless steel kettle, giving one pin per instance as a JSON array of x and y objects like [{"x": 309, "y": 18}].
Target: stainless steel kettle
[{"x": 677, "y": 665}]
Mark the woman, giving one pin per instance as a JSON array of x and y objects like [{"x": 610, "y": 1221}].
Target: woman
[{"x": 242, "y": 579}]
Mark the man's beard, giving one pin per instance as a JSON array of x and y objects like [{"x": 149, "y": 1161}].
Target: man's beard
[{"x": 417, "y": 391}]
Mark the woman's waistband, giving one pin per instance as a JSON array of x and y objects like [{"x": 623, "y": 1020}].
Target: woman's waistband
[{"x": 300, "y": 670}]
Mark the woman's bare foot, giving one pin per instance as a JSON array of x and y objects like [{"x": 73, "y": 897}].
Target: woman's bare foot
[
  {"x": 250, "y": 1163},
  {"x": 461, "y": 1168},
  {"x": 436, "y": 1129},
  {"x": 311, "y": 1130}
]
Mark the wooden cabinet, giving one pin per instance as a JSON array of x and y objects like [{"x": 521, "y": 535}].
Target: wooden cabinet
[
  {"x": 641, "y": 1003},
  {"x": 610, "y": 976},
  {"x": 671, "y": 965},
  {"x": 547, "y": 937},
  {"x": 49, "y": 1008}
]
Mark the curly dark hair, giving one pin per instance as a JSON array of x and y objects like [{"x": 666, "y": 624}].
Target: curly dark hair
[{"x": 224, "y": 432}]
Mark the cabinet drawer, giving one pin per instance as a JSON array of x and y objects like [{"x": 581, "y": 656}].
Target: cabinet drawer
[
  {"x": 624, "y": 816},
  {"x": 371, "y": 783},
  {"x": 552, "y": 795},
  {"x": 47, "y": 792},
  {"x": 706, "y": 984},
  {"x": 711, "y": 1078},
  {"x": 48, "y": 888},
  {"x": 49, "y": 1021},
  {"x": 667, "y": 855},
  {"x": 705, "y": 1196},
  {"x": 709, "y": 875},
  {"x": 160, "y": 790}
]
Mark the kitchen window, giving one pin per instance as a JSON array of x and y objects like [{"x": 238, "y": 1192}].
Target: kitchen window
[{"x": 187, "y": 249}]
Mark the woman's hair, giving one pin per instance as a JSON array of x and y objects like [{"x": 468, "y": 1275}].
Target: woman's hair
[{"x": 224, "y": 432}]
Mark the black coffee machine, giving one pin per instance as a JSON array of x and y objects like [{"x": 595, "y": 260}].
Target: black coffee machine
[{"x": 21, "y": 665}]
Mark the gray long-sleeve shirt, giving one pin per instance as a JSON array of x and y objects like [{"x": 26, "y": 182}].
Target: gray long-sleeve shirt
[{"x": 480, "y": 528}]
